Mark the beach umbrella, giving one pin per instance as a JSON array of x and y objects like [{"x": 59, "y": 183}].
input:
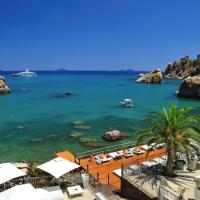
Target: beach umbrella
[
  {"x": 58, "y": 166},
  {"x": 9, "y": 172},
  {"x": 20, "y": 192}
]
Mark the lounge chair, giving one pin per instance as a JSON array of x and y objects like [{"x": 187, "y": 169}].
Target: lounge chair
[
  {"x": 159, "y": 146},
  {"x": 127, "y": 153},
  {"x": 148, "y": 147},
  {"x": 135, "y": 151},
  {"x": 116, "y": 155},
  {"x": 102, "y": 158}
]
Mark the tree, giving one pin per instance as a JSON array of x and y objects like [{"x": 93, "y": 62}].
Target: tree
[{"x": 177, "y": 128}]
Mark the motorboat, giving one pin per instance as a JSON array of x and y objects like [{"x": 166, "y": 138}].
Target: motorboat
[
  {"x": 126, "y": 103},
  {"x": 26, "y": 73}
]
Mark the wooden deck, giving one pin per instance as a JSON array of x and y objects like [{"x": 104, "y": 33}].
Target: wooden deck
[{"x": 105, "y": 171}]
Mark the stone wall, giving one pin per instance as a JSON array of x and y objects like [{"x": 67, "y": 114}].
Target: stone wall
[{"x": 129, "y": 191}]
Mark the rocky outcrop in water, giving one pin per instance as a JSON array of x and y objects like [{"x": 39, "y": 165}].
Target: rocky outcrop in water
[
  {"x": 4, "y": 89},
  {"x": 63, "y": 94},
  {"x": 190, "y": 88},
  {"x": 114, "y": 135},
  {"x": 151, "y": 77},
  {"x": 183, "y": 68},
  {"x": 90, "y": 142}
]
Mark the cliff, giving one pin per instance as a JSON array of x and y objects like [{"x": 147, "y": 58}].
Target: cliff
[{"x": 183, "y": 68}]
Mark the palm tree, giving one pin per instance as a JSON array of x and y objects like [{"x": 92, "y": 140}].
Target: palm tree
[{"x": 176, "y": 128}]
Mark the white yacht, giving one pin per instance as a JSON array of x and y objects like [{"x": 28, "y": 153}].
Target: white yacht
[
  {"x": 126, "y": 103},
  {"x": 26, "y": 73}
]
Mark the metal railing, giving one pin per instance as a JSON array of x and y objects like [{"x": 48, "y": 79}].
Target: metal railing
[{"x": 107, "y": 149}]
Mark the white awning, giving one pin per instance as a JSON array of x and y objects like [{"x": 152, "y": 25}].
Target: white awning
[
  {"x": 58, "y": 166},
  {"x": 20, "y": 192},
  {"x": 8, "y": 172}
]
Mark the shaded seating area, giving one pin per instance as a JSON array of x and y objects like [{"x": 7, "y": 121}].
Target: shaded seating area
[
  {"x": 27, "y": 191},
  {"x": 9, "y": 172}
]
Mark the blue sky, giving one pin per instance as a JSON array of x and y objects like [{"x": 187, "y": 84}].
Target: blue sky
[{"x": 97, "y": 34}]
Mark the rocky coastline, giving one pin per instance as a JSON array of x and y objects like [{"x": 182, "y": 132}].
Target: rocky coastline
[{"x": 183, "y": 68}]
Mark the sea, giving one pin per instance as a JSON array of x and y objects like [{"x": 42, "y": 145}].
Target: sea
[{"x": 37, "y": 119}]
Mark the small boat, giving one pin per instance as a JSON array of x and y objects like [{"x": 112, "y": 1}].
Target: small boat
[
  {"x": 26, "y": 73},
  {"x": 126, "y": 103}
]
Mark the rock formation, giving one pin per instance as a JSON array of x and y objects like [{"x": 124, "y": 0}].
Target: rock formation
[
  {"x": 183, "y": 68},
  {"x": 190, "y": 88},
  {"x": 114, "y": 135},
  {"x": 152, "y": 77},
  {"x": 63, "y": 95},
  {"x": 3, "y": 87}
]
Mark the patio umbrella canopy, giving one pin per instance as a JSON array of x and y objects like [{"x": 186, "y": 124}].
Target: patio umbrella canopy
[
  {"x": 8, "y": 172},
  {"x": 20, "y": 192},
  {"x": 58, "y": 167}
]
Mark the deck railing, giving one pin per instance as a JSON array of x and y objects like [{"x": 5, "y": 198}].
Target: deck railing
[{"x": 107, "y": 149}]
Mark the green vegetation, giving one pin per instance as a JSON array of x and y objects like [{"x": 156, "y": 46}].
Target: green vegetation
[{"x": 176, "y": 128}]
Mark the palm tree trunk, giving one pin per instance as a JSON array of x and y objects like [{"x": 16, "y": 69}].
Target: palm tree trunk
[{"x": 169, "y": 167}]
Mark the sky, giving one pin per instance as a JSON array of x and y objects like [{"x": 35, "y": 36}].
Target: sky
[{"x": 97, "y": 34}]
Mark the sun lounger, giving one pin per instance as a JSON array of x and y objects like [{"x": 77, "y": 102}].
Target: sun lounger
[
  {"x": 147, "y": 148},
  {"x": 103, "y": 158},
  {"x": 135, "y": 151},
  {"x": 161, "y": 145},
  {"x": 116, "y": 155}
]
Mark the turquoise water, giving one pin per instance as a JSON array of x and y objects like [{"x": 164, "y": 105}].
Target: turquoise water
[{"x": 34, "y": 124}]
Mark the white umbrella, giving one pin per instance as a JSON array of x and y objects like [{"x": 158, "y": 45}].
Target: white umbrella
[
  {"x": 8, "y": 172},
  {"x": 58, "y": 166},
  {"x": 20, "y": 192}
]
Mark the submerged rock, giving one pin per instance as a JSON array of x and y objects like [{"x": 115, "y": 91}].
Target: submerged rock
[
  {"x": 75, "y": 134},
  {"x": 62, "y": 95},
  {"x": 90, "y": 142},
  {"x": 86, "y": 140},
  {"x": 4, "y": 89},
  {"x": 114, "y": 135},
  {"x": 93, "y": 144},
  {"x": 36, "y": 140},
  {"x": 152, "y": 77},
  {"x": 51, "y": 136},
  {"x": 78, "y": 122},
  {"x": 20, "y": 127},
  {"x": 190, "y": 88},
  {"x": 82, "y": 127}
]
